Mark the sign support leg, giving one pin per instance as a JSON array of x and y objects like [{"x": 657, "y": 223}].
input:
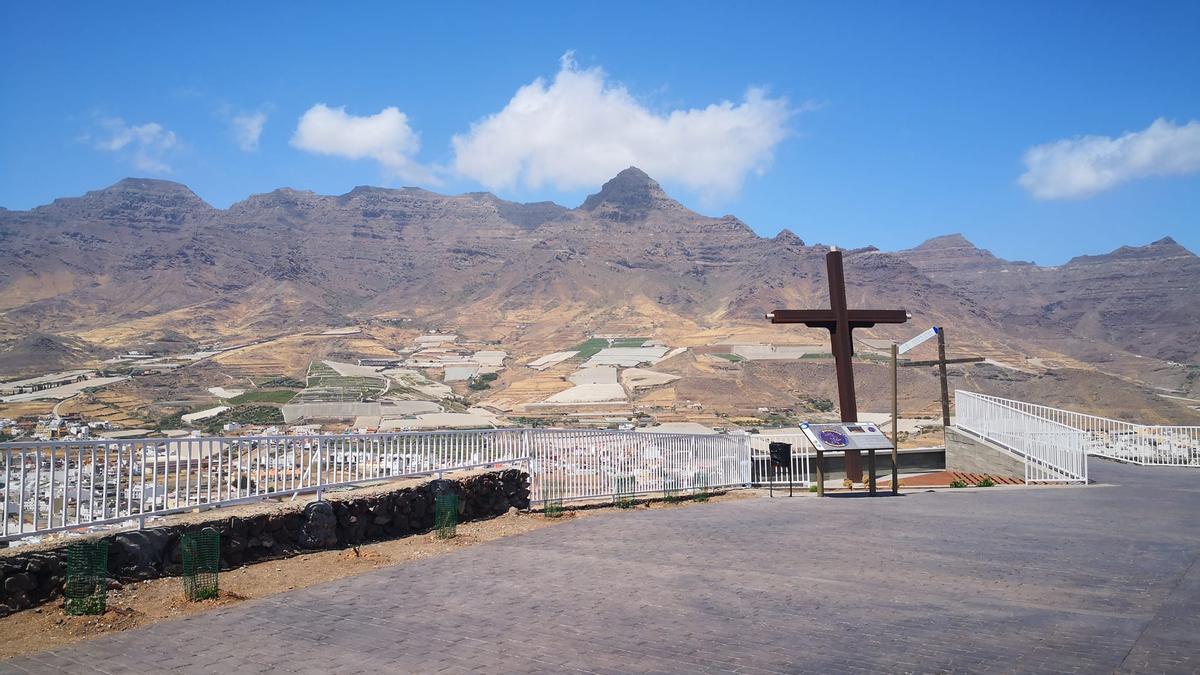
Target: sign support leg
[
  {"x": 871, "y": 470},
  {"x": 820, "y": 473},
  {"x": 895, "y": 424}
]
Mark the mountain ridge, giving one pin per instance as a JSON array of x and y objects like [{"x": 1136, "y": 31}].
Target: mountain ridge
[
  {"x": 145, "y": 254},
  {"x": 632, "y": 188}
]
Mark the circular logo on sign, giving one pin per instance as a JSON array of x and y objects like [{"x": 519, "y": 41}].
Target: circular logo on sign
[{"x": 835, "y": 438}]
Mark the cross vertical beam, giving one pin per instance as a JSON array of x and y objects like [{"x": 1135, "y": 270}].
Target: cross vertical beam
[{"x": 840, "y": 338}]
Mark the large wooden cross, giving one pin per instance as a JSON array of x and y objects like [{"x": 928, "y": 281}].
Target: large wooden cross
[{"x": 840, "y": 322}]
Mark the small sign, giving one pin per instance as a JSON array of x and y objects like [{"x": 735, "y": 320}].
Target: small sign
[
  {"x": 781, "y": 454},
  {"x": 846, "y": 436},
  {"x": 918, "y": 340}
]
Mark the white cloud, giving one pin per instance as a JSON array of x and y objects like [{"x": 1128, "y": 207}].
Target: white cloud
[
  {"x": 146, "y": 145},
  {"x": 581, "y": 129},
  {"x": 247, "y": 128},
  {"x": 384, "y": 137},
  {"x": 1086, "y": 165}
]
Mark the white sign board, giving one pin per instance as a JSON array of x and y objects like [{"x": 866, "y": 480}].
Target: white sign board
[{"x": 917, "y": 340}]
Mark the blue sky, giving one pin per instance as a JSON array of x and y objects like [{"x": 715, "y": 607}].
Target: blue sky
[{"x": 876, "y": 123}]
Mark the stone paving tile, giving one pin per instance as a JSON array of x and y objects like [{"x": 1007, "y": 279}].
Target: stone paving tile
[{"x": 1097, "y": 579}]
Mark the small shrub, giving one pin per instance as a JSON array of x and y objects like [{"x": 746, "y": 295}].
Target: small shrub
[
  {"x": 986, "y": 482},
  {"x": 820, "y": 404},
  {"x": 956, "y": 483},
  {"x": 812, "y": 488}
]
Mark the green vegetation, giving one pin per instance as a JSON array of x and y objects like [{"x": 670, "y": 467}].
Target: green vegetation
[
  {"x": 589, "y": 348},
  {"x": 279, "y": 382},
  {"x": 730, "y": 357},
  {"x": 263, "y": 396},
  {"x": 325, "y": 384},
  {"x": 986, "y": 482},
  {"x": 174, "y": 421},
  {"x": 820, "y": 404},
  {"x": 243, "y": 414},
  {"x": 481, "y": 382},
  {"x": 817, "y": 355},
  {"x": 536, "y": 422},
  {"x": 956, "y": 483}
]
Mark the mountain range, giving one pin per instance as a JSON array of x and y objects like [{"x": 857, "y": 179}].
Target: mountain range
[{"x": 124, "y": 265}]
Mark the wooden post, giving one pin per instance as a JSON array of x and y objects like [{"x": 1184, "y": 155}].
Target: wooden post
[
  {"x": 820, "y": 473},
  {"x": 871, "y": 470},
  {"x": 945, "y": 390},
  {"x": 895, "y": 423}
]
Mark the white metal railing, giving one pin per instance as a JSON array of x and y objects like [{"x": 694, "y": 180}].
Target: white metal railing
[
  {"x": 49, "y": 486},
  {"x": 59, "y": 485},
  {"x": 1136, "y": 443},
  {"x": 586, "y": 464},
  {"x": 1053, "y": 451},
  {"x": 761, "y": 472}
]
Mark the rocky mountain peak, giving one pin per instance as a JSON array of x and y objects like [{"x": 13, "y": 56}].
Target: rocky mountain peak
[
  {"x": 629, "y": 194},
  {"x": 788, "y": 238},
  {"x": 1154, "y": 251},
  {"x": 133, "y": 202},
  {"x": 1167, "y": 244},
  {"x": 945, "y": 241},
  {"x": 148, "y": 186}
]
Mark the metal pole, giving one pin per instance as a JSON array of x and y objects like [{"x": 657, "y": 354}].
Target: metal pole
[
  {"x": 895, "y": 424},
  {"x": 942, "y": 372}
]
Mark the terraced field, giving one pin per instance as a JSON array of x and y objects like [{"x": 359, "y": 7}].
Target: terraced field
[{"x": 326, "y": 384}]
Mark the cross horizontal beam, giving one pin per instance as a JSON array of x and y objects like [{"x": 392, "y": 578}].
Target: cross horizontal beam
[{"x": 825, "y": 318}]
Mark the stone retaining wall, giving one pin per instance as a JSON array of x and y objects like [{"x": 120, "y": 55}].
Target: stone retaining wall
[{"x": 35, "y": 577}]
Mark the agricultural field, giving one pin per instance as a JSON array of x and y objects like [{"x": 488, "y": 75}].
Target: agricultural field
[
  {"x": 263, "y": 396},
  {"x": 115, "y": 407},
  {"x": 590, "y": 347},
  {"x": 324, "y": 383}
]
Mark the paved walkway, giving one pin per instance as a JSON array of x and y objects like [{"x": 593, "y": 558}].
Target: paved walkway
[{"x": 1096, "y": 579}]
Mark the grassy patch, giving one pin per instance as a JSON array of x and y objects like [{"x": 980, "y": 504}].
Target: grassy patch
[
  {"x": 244, "y": 414},
  {"x": 820, "y": 404},
  {"x": 279, "y": 382},
  {"x": 263, "y": 396},
  {"x": 730, "y": 357},
  {"x": 589, "y": 348}
]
